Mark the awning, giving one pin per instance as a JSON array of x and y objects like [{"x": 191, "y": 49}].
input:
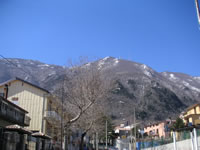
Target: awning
[
  {"x": 18, "y": 128},
  {"x": 41, "y": 135}
]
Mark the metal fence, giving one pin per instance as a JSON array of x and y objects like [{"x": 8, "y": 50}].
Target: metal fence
[
  {"x": 122, "y": 144},
  {"x": 153, "y": 142},
  {"x": 178, "y": 136}
]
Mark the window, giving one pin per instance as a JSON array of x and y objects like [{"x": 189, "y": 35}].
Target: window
[
  {"x": 5, "y": 91},
  {"x": 2, "y": 94},
  {"x": 49, "y": 106},
  {"x": 15, "y": 100},
  {"x": 153, "y": 132}
]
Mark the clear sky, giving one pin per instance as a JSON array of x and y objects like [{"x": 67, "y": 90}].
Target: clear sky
[{"x": 164, "y": 34}]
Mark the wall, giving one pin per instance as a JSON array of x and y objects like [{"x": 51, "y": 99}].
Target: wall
[
  {"x": 122, "y": 144},
  {"x": 159, "y": 127},
  {"x": 181, "y": 145},
  {"x": 30, "y": 99},
  {"x": 35, "y": 101}
]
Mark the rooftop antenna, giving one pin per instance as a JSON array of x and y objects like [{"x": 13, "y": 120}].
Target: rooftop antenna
[{"x": 198, "y": 11}]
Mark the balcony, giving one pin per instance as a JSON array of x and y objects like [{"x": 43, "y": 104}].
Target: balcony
[
  {"x": 27, "y": 120},
  {"x": 11, "y": 113},
  {"x": 52, "y": 117}
]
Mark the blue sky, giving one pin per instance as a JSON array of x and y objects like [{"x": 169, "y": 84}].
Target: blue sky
[{"x": 164, "y": 34}]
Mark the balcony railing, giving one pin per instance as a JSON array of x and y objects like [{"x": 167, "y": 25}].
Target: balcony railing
[
  {"x": 27, "y": 120},
  {"x": 53, "y": 116},
  {"x": 12, "y": 113}
]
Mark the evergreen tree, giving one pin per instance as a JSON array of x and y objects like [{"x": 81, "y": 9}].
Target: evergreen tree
[{"x": 178, "y": 124}]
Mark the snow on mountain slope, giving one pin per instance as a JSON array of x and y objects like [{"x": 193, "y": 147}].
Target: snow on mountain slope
[
  {"x": 155, "y": 95},
  {"x": 183, "y": 81}
]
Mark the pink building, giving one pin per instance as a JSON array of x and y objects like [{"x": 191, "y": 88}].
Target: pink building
[{"x": 160, "y": 129}]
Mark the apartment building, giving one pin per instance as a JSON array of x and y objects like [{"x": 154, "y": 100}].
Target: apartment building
[
  {"x": 12, "y": 115},
  {"x": 192, "y": 115},
  {"x": 123, "y": 131},
  {"x": 159, "y": 129},
  {"x": 44, "y": 108}
]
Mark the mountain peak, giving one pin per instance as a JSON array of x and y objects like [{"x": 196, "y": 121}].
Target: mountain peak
[
  {"x": 107, "y": 62},
  {"x": 138, "y": 84}
]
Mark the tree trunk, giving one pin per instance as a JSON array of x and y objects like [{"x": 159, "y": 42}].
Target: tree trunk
[
  {"x": 97, "y": 141},
  {"x": 82, "y": 141}
]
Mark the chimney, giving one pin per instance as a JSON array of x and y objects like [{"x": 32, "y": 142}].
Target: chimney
[{"x": 6, "y": 91}]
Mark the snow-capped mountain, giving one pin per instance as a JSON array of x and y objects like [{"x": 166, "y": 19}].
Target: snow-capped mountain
[
  {"x": 155, "y": 95},
  {"x": 29, "y": 70},
  {"x": 183, "y": 83}
]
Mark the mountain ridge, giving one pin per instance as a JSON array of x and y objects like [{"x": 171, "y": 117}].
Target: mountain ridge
[{"x": 156, "y": 95}]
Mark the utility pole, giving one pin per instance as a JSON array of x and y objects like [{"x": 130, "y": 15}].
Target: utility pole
[
  {"x": 62, "y": 114},
  {"x": 131, "y": 139},
  {"x": 198, "y": 11},
  {"x": 135, "y": 129},
  {"x": 106, "y": 134}
]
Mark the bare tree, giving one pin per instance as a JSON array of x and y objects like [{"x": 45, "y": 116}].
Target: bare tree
[
  {"x": 88, "y": 122},
  {"x": 83, "y": 90},
  {"x": 84, "y": 86}
]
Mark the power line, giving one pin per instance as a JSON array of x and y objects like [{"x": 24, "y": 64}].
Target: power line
[
  {"x": 10, "y": 62},
  {"x": 62, "y": 113}
]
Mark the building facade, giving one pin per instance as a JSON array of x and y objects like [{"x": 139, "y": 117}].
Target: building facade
[
  {"x": 160, "y": 129},
  {"x": 44, "y": 109},
  {"x": 192, "y": 115},
  {"x": 123, "y": 131},
  {"x": 12, "y": 115}
]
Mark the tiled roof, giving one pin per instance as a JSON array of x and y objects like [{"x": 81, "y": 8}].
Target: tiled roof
[
  {"x": 16, "y": 78},
  {"x": 194, "y": 105},
  {"x": 42, "y": 135},
  {"x": 18, "y": 128}
]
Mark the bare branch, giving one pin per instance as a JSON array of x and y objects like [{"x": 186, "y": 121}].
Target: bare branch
[
  {"x": 84, "y": 87},
  {"x": 79, "y": 114}
]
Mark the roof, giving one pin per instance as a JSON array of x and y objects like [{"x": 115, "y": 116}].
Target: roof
[
  {"x": 153, "y": 124},
  {"x": 157, "y": 123},
  {"x": 18, "y": 129},
  {"x": 41, "y": 135},
  {"x": 194, "y": 105},
  {"x": 192, "y": 115},
  {"x": 16, "y": 78},
  {"x": 125, "y": 128},
  {"x": 2, "y": 98}
]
